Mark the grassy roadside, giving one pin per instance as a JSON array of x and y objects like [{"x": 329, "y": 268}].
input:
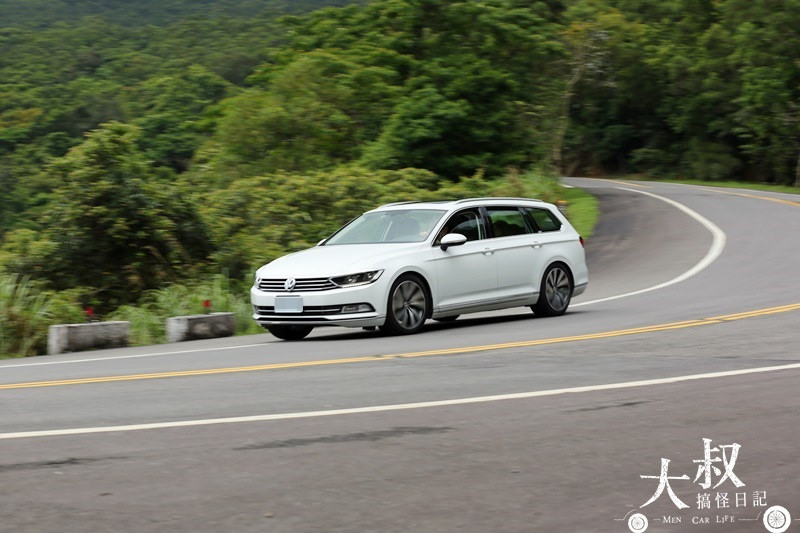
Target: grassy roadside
[{"x": 582, "y": 210}]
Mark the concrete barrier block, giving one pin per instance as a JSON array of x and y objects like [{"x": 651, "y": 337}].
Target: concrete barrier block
[
  {"x": 194, "y": 327},
  {"x": 62, "y": 338}
]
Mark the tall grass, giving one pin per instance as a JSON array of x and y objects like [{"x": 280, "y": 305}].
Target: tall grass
[
  {"x": 26, "y": 313},
  {"x": 23, "y": 317}
]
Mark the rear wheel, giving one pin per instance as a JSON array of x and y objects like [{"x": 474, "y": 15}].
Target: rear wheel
[
  {"x": 291, "y": 332},
  {"x": 407, "y": 307},
  {"x": 555, "y": 292}
]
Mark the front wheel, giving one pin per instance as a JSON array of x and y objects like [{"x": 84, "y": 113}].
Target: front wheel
[
  {"x": 555, "y": 292},
  {"x": 407, "y": 307},
  {"x": 290, "y": 333}
]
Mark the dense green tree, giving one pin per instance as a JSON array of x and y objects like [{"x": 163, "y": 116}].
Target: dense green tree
[
  {"x": 764, "y": 40},
  {"x": 171, "y": 111},
  {"x": 115, "y": 225},
  {"x": 303, "y": 115},
  {"x": 699, "y": 89},
  {"x": 258, "y": 219},
  {"x": 613, "y": 93},
  {"x": 399, "y": 83},
  {"x": 41, "y": 13}
]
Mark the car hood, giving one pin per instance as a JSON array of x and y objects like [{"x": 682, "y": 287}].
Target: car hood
[{"x": 336, "y": 260}]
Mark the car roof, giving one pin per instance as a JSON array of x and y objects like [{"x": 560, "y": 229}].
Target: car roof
[{"x": 465, "y": 202}]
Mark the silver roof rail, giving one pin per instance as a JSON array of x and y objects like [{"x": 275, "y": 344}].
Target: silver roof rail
[
  {"x": 461, "y": 201},
  {"x": 401, "y": 203},
  {"x": 496, "y": 198}
]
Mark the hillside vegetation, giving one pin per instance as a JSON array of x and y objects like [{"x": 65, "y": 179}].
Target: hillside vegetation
[
  {"x": 44, "y": 13},
  {"x": 149, "y": 148}
]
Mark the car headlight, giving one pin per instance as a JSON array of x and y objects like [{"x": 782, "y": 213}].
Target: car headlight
[{"x": 354, "y": 280}]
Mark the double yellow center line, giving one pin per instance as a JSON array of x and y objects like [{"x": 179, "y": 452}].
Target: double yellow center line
[
  {"x": 719, "y": 190},
  {"x": 445, "y": 351}
]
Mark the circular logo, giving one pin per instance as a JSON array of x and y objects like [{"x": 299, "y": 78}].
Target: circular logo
[
  {"x": 777, "y": 519},
  {"x": 290, "y": 284},
  {"x": 637, "y": 523}
]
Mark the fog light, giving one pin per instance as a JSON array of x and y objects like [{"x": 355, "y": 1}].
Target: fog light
[{"x": 357, "y": 308}]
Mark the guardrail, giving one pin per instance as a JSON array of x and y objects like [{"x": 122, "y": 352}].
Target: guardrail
[
  {"x": 194, "y": 327},
  {"x": 63, "y": 338}
]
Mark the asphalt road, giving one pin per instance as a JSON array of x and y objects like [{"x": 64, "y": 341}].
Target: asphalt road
[{"x": 497, "y": 422}]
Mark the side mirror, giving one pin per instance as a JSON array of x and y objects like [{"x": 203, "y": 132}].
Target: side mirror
[{"x": 452, "y": 239}]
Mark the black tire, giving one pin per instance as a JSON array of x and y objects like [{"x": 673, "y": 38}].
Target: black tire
[
  {"x": 408, "y": 305},
  {"x": 555, "y": 292},
  {"x": 290, "y": 332},
  {"x": 450, "y": 318}
]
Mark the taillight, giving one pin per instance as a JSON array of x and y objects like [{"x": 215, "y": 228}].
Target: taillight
[{"x": 581, "y": 239}]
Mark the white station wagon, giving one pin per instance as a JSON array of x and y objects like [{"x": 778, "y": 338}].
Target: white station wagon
[{"x": 400, "y": 264}]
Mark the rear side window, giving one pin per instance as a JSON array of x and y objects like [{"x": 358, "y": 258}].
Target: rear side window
[
  {"x": 507, "y": 221},
  {"x": 544, "y": 219}
]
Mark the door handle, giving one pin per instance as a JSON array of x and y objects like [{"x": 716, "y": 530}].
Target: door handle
[
  {"x": 487, "y": 251},
  {"x": 536, "y": 245}
]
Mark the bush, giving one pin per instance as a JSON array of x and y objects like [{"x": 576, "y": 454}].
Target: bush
[
  {"x": 711, "y": 161},
  {"x": 654, "y": 161}
]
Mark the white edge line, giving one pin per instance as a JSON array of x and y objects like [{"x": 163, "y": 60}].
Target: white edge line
[
  {"x": 395, "y": 407},
  {"x": 714, "y": 251},
  {"x": 136, "y": 356}
]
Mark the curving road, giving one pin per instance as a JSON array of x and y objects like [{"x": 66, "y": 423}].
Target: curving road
[{"x": 497, "y": 422}]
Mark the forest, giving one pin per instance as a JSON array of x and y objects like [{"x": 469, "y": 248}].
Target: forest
[{"x": 154, "y": 153}]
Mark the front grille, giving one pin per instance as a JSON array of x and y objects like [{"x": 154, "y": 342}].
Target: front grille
[
  {"x": 308, "y": 310},
  {"x": 303, "y": 285}
]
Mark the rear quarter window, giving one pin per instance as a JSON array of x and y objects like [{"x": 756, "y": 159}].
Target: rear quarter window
[{"x": 544, "y": 219}]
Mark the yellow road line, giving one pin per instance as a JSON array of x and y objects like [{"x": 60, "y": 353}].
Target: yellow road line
[
  {"x": 444, "y": 351},
  {"x": 183, "y": 373},
  {"x": 746, "y": 195},
  {"x": 719, "y": 190},
  {"x": 632, "y": 184}
]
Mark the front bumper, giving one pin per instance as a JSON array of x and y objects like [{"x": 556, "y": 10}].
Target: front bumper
[{"x": 325, "y": 308}]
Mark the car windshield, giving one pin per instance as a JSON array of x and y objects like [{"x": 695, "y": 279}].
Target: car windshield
[{"x": 396, "y": 225}]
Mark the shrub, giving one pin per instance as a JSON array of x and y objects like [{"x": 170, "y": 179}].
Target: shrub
[{"x": 148, "y": 318}]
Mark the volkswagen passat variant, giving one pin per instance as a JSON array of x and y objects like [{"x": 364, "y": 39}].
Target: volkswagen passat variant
[{"x": 400, "y": 264}]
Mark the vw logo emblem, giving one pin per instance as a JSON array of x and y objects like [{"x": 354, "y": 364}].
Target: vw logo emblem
[{"x": 289, "y": 284}]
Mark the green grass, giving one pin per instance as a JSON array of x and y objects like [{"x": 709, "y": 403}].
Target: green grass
[
  {"x": 582, "y": 210},
  {"x": 26, "y": 312}
]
